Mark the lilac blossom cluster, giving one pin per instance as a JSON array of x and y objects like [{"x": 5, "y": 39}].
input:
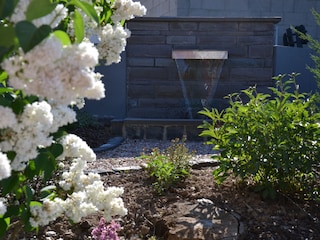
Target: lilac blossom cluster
[
  {"x": 60, "y": 76},
  {"x": 106, "y": 232}
]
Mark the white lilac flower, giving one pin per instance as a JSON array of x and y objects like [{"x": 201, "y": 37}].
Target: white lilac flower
[
  {"x": 126, "y": 10},
  {"x": 62, "y": 115},
  {"x": 5, "y": 168},
  {"x": 49, "y": 211},
  {"x": 53, "y": 19},
  {"x": 88, "y": 200},
  {"x": 112, "y": 41},
  {"x": 8, "y": 118},
  {"x": 77, "y": 207},
  {"x": 31, "y": 131},
  {"x": 67, "y": 76},
  {"x": 3, "y": 207},
  {"x": 75, "y": 147},
  {"x": 34, "y": 125}
]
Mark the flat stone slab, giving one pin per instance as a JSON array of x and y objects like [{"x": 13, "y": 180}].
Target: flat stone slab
[
  {"x": 202, "y": 221},
  {"x": 111, "y": 144},
  {"x": 127, "y": 168}
]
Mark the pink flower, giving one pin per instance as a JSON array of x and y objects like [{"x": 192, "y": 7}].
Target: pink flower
[{"x": 106, "y": 232}]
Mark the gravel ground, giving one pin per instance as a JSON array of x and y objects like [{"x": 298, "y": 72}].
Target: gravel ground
[{"x": 128, "y": 153}]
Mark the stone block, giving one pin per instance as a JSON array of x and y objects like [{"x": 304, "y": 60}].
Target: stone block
[
  {"x": 152, "y": 112},
  {"x": 174, "y": 132},
  {"x": 220, "y": 26},
  {"x": 146, "y": 73},
  {"x": 245, "y": 62},
  {"x": 154, "y": 132},
  {"x": 182, "y": 26},
  {"x": 181, "y": 40},
  {"x": 164, "y": 62},
  {"x": 161, "y": 102},
  {"x": 255, "y": 26},
  {"x": 141, "y": 50},
  {"x": 256, "y": 74},
  {"x": 138, "y": 39},
  {"x": 136, "y": 62},
  {"x": 254, "y": 40},
  {"x": 238, "y": 51},
  {"x": 143, "y": 25},
  {"x": 138, "y": 91},
  {"x": 217, "y": 41},
  {"x": 169, "y": 91}
]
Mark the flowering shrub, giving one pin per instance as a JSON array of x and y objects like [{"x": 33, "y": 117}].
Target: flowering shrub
[
  {"x": 272, "y": 142},
  {"x": 47, "y": 62},
  {"x": 169, "y": 166}
]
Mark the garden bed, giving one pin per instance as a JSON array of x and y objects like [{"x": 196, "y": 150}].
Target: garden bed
[{"x": 287, "y": 217}]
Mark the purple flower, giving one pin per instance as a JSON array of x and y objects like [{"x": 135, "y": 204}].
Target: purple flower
[{"x": 106, "y": 232}]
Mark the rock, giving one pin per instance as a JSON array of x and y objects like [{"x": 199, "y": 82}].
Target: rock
[
  {"x": 111, "y": 144},
  {"x": 202, "y": 222},
  {"x": 51, "y": 234}
]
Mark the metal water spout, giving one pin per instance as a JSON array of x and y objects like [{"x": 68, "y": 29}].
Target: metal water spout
[{"x": 199, "y": 72}]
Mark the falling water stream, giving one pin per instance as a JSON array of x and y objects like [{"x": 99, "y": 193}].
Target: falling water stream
[
  {"x": 184, "y": 90},
  {"x": 199, "y": 73}
]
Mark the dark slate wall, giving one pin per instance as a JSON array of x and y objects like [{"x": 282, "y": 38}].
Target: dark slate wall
[{"x": 153, "y": 87}]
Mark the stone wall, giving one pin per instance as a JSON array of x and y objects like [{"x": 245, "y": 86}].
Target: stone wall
[
  {"x": 153, "y": 87},
  {"x": 292, "y": 12}
]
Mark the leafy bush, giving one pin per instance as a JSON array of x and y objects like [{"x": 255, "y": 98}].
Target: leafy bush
[
  {"x": 169, "y": 166},
  {"x": 86, "y": 119},
  {"x": 271, "y": 141}
]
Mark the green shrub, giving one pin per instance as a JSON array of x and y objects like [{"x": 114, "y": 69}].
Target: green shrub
[
  {"x": 270, "y": 141},
  {"x": 169, "y": 166}
]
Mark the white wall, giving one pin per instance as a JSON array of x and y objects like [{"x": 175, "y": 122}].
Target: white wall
[{"x": 157, "y": 8}]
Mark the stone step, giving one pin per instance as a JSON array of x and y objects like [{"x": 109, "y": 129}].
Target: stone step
[{"x": 157, "y": 128}]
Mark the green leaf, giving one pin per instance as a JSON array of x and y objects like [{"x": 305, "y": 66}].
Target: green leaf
[
  {"x": 25, "y": 31},
  {"x": 28, "y": 194},
  {"x": 35, "y": 203},
  {"x": 9, "y": 184},
  {"x": 78, "y": 26},
  {"x": 46, "y": 162},
  {"x": 4, "y": 224},
  {"x": 8, "y": 36},
  {"x": 3, "y": 78},
  {"x": 56, "y": 149},
  {"x": 87, "y": 8},
  {"x": 29, "y": 36},
  {"x": 39, "y": 8},
  {"x": 63, "y": 37},
  {"x": 12, "y": 210},
  {"x": 31, "y": 170},
  {"x": 6, "y": 8},
  {"x": 47, "y": 191}
]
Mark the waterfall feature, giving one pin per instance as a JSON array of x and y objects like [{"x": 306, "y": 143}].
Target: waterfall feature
[{"x": 199, "y": 72}]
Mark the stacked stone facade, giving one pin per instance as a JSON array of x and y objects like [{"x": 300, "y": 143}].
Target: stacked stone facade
[
  {"x": 292, "y": 12},
  {"x": 152, "y": 79}
]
